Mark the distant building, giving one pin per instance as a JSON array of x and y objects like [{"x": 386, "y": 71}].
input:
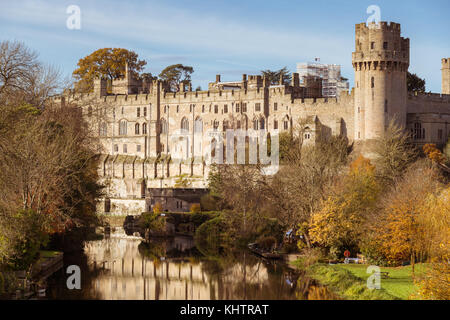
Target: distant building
[{"x": 332, "y": 81}]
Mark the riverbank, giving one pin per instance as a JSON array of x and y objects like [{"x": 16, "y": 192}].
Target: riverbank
[{"x": 350, "y": 281}]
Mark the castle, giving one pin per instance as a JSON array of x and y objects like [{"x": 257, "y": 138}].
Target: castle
[{"x": 139, "y": 121}]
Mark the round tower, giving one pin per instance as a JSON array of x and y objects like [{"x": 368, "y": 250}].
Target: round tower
[
  {"x": 381, "y": 62},
  {"x": 446, "y": 76}
]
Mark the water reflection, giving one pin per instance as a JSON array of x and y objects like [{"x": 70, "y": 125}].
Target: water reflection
[{"x": 122, "y": 267}]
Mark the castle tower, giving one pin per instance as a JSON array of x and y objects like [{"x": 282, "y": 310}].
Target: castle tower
[
  {"x": 446, "y": 76},
  {"x": 380, "y": 61}
]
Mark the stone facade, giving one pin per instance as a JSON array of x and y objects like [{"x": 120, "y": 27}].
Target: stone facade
[{"x": 155, "y": 138}]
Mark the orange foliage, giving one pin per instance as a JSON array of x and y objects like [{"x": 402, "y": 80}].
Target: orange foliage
[{"x": 433, "y": 153}]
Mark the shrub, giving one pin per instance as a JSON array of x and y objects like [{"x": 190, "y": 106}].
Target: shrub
[
  {"x": 195, "y": 208},
  {"x": 212, "y": 237}
]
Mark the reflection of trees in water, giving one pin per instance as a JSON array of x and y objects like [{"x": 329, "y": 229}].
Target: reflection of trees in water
[
  {"x": 168, "y": 249},
  {"x": 309, "y": 289}
]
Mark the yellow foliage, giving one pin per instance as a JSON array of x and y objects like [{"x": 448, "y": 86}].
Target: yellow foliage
[
  {"x": 433, "y": 153},
  {"x": 157, "y": 208}
]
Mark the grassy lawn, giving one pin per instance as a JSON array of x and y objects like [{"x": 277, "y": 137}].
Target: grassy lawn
[{"x": 400, "y": 283}]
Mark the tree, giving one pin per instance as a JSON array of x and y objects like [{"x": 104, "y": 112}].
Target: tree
[
  {"x": 175, "y": 75},
  {"x": 338, "y": 223},
  {"x": 433, "y": 153},
  {"x": 414, "y": 83},
  {"x": 273, "y": 76},
  {"x": 23, "y": 78},
  {"x": 108, "y": 63},
  {"x": 394, "y": 153}
]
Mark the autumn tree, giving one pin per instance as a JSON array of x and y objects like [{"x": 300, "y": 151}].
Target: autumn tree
[
  {"x": 175, "y": 75},
  {"x": 433, "y": 153},
  {"x": 109, "y": 63},
  {"x": 338, "y": 224}
]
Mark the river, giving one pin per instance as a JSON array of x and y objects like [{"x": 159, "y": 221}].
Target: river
[{"x": 122, "y": 266}]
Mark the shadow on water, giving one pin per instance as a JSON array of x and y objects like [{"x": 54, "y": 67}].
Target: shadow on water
[{"x": 123, "y": 266}]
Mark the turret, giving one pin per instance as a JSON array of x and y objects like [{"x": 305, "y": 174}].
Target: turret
[
  {"x": 381, "y": 62},
  {"x": 446, "y": 76}
]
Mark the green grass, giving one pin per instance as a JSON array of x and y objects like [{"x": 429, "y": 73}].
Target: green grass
[
  {"x": 350, "y": 280},
  {"x": 400, "y": 283}
]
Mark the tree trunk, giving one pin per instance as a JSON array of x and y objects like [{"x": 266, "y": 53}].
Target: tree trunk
[{"x": 413, "y": 258}]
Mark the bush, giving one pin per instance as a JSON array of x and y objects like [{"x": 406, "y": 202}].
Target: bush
[
  {"x": 212, "y": 237},
  {"x": 208, "y": 203},
  {"x": 195, "y": 208},
  {"x": 152, "y": 221}
]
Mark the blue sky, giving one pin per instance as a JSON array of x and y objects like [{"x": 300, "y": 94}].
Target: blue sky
[{"x": 225, "y": 37}]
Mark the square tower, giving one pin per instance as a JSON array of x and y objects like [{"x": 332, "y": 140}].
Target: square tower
[{"x": 446, "y": 76}]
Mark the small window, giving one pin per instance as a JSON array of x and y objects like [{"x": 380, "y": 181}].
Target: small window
[
  {"x": 203, "y": 108},
  {"x": 122, "y": 110},
  {"x": 257, "y": 107},
  {"x": 372, "y": 45},
  {"x": 307, "y": 136},
  {"x": 385, "y": 45},
  {"x": 216, "y": 109},
  {"x": 385, "y": 106},
  {"x": 440, "y": 135},
  {"x": 145, "y": 111},
  {"x": 238, "y": 124},
  {"x": 372, "y": 82},
  {"x": 244, "y": 107},
  {"x": 125, "y": 149},
  {"x": 116, "y": 148},
  {"x": 136, "y": 128},
  {"x": 122, "y": 128},
  {"x": 225, "y": 108},
  {"x": 138, "y": 112},
  {"x": 275, "y": 125},
  {"x": 275, "y": 106},
  {"x": 138, "y": 148},
  {"x": 237, "y": 108},
  {"x": 178, "y": 108},
  {"x": 286, "y": 124}
]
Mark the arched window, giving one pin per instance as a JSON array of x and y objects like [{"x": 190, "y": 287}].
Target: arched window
[
  {"x": 372, "y": 82},
  {"x": 163, "y": 126},
  {"x": 262, "y": 124},
  {"x": 136, "y": 128},
  {"x": 144, "y": 128},
  {"x": 122, "y": 128},
  {"x": 255, "y": 124},
  {"x": 224, "y": 125},
  {"x": 216, "y": 124},
  {"x": 185, "y": 124},
  {"x": 198, "y": 125}
]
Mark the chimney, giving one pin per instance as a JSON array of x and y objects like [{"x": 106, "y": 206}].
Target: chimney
[
  {"x": 295, "y": 80},
  {"x": 217, "y": 78}
]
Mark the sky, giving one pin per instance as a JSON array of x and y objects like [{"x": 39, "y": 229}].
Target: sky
[{"x": 230, "y": 37}]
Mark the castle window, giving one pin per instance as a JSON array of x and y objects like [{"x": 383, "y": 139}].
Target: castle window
[
  {"x": 286, "y": 124},
  {"x": 238, "y": 124},
  {"x": 163, "y": 126},
  {"x": 116, "y": 148},
  {"x": 122, "y": 110},
  {"x": 237, "y": 107},
  {"x": 198, "y": 125},
  {"x": 104, "y": 129},
  {"x": 145, "y": 111},
  {"x": 244, "y": 107},
  {"x": 185, "y": 124},
  {"x": 255, "y": 124},
  {"x": 372, "y": 82},
  {"x": 257, "y": 107},
  {"x": 225, "y": 125},
  {"x": 216, "y": 109},
  {"x": 385, "y": 45},
  {"x": 216, "y": 124},
  {"x": 138, "y": 112},
  {"x": 144, "y": 128},
  {"x": 262, "y": 124},
  {"x": 418, "y": 132},
  {"x": 136, "y": 128},
  {"x": 275, "y": 106},
  {"x": 125, "y": 148},
  {"x": 203, "y": 108},
  {"x": 372, "y": 45},
  {"x": 275, "y": 125},
  {"x": 307, "y": 136},
  {"x": 138, "y": 148},
  {"x": 178, "y": 108},
  {"x": 122, "y": 128},
  {"x": 225, "y": 108}
]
